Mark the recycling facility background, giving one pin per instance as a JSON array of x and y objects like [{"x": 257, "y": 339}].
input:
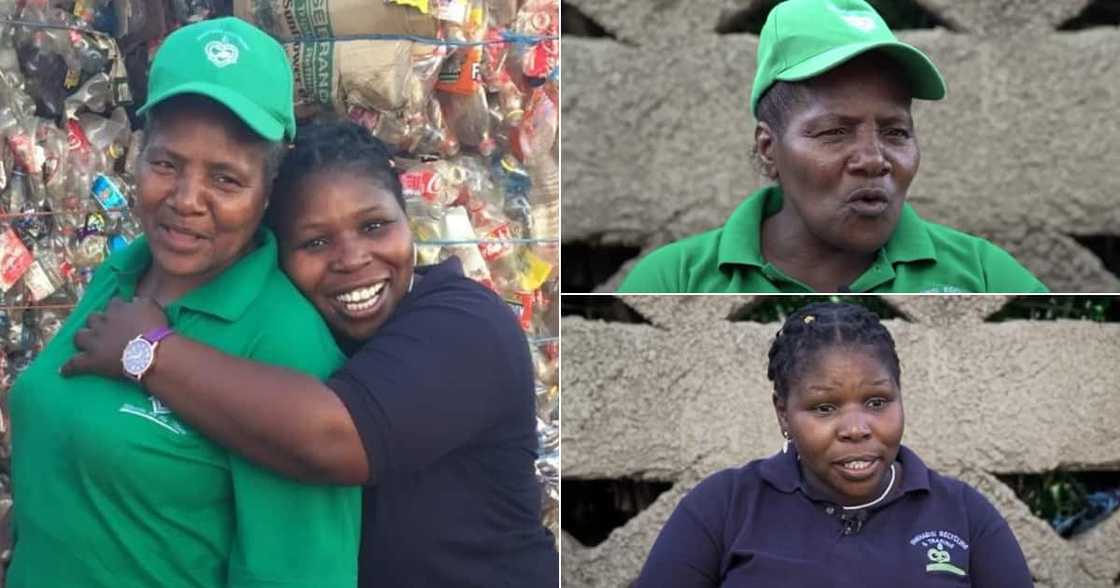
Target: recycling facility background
[
  {"x": 681, "y": 392},
  {"x": 1023, "y": 150},
  {"x": 465, "y": 92}
]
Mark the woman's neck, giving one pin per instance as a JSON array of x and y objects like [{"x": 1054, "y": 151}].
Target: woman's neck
[
  {"x": 165, "y": 288},
  {"x": 820, "y": 491},
  {"x": 788, "y": 244}
]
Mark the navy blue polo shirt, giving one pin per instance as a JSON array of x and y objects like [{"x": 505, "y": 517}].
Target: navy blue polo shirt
[
  {"x": 443, "y": 399},
  {"x": 757, "y": 526}
]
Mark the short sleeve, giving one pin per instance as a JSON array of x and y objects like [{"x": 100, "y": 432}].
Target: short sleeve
[
  {"x": 1004, "y": 274},
  {"x": 447, "y": 369},
  {"x": 689, "y": 550},
  {"x": 995, "y": 558},
  {"x": 655, "y": 273},
  {"x": 292, "y": 535}
]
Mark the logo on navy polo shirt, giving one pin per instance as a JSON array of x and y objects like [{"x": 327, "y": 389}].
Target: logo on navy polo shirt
[{"x": 942, "y": 549}]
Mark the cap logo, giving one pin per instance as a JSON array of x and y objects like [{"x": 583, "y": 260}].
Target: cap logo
[
  {"x": 862, "y": 23},
  {"x": 221, "y": 53},
  {"x": 854, "y": 18}
]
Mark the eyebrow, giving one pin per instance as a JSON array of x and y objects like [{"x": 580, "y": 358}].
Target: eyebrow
[
  {"x": 211, "y": 166},
  {"x": 825, "y": 388},
  {"x": 846, "y": 120},
  {"x": 311, "y": 224}
]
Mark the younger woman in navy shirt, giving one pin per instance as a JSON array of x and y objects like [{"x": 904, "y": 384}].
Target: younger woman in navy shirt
[{"x": 844, "y": 503}]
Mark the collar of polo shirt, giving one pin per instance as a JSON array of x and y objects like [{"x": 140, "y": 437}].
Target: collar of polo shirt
[
  {"x": 784, "y": 474},
  {"x": 742, "y": 240},
  {"x": 227, "y": 296}
]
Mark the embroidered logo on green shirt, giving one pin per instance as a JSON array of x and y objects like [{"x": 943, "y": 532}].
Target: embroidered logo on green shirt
[{"x": 158, "y": 413}]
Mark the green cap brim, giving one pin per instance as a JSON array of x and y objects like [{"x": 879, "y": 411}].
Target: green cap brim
[
  {"x": 255, "y": 117},
  {"x": 925, "y": 81}
]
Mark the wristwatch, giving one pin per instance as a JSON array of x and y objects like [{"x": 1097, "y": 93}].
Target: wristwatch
[{"x": 141, "y": 352}]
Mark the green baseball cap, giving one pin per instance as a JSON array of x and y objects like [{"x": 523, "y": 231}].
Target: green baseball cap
[
  {"x": 805, "y": 38},
  {"x": 234, "y": 63}
]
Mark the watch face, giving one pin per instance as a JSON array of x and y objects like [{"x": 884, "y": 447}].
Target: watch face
[{"x": 137, "y": 357}]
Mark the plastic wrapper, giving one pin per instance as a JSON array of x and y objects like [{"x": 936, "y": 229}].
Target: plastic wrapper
[
  {"x": 15, "y": 258},
  {"x": 540, "y": 18},
  {"x": 190, "y": 11},
  {"x": 546, "y": 358}
]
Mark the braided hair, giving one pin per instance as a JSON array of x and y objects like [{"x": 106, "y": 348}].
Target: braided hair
[
  {"x": 332, "y": 146},
  {"x": 823, "y": 325}
]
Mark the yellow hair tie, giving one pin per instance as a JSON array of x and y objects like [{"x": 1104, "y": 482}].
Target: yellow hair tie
[{"x": 808, "y": 319}]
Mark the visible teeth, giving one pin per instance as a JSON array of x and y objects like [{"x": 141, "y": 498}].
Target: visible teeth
[
  {"x": 857, "y": 465},
  {"x": 362, "y": 298},
  {"x": 361, "y": 294}
]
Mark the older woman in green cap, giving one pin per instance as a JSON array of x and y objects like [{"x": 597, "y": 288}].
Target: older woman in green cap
[
  {"x": 112, "y": 489},
  {"x": 835, "y": 134}
]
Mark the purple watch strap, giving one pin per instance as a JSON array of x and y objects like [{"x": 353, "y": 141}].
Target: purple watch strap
[{"x": 158, "y": 334}]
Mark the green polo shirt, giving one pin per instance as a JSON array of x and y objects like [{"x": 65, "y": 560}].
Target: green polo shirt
[
  {"x": 919, "y": 257},
  {"x": 111, "y": 490}
]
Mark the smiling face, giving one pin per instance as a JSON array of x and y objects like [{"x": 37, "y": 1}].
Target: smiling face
[
  {"x": 846, "y": 156},
  {"x": 201, "y": 191},
  {"x": 346, "y": 244},
  {"x": 844, "y": 415}
]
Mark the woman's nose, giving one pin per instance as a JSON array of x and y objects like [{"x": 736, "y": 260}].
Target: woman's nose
[
  {"x": 868, "y": 157},
  {"x": 855, "y": 428},
  {"x": 188, "y": 197},
  {"x": 350, "y": 256}
]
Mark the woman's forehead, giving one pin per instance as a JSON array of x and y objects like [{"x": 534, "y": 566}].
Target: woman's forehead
[
  {"x": 851, "y": 358},
  {"x": 855, "y": 93}
]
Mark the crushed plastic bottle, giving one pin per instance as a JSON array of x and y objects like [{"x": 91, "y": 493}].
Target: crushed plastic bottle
[{"x": 536, "y": 141}]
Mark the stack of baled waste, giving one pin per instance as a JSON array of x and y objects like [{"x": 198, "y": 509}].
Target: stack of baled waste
[
  {"x": 466, "y": 92},
  {"x": 65, "y": 173}
]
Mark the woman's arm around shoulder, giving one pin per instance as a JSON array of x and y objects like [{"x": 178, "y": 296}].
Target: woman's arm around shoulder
[{"x": 284, "y": 419}]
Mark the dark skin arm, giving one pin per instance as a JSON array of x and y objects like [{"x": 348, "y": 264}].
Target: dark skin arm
[{"x": 284, "y": 420}]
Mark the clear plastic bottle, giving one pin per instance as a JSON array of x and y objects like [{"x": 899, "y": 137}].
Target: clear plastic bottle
[
  {"x": 536, "y": 139},
  {"x": 109, "y": 135},
  {"x": 539, "y": 18},
  {"x": 468, "y": 116},
  {"x": 456, "y": 227},
  {"x": 501, "y": 12}
]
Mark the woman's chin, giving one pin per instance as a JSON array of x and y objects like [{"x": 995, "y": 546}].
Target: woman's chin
[{"x": 864, "y": 240}]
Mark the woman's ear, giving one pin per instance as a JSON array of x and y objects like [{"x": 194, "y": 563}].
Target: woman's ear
[
  {"x": 780, "y": 411},
  {"x": 764, "y": 139}
]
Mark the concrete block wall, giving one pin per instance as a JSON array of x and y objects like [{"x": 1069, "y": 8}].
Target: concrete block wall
[
  {"x": 687, "y": 395},
  {"x": 657, "y": 130}
]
